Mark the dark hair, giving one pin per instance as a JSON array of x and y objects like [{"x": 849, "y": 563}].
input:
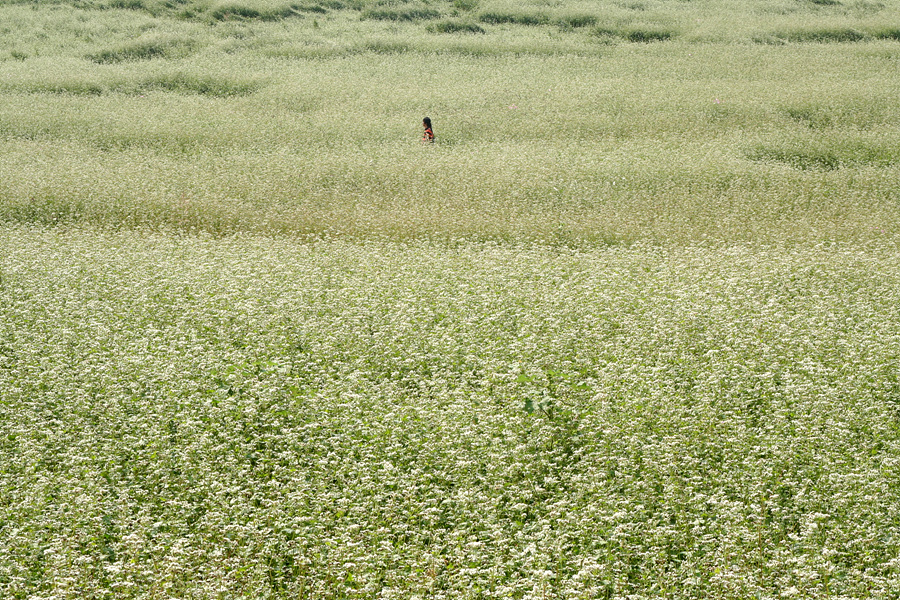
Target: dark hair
[{"x": 427, "y": 122}]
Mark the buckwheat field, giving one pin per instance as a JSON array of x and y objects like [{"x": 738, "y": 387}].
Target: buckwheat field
[{"x": 629, "y": 329}]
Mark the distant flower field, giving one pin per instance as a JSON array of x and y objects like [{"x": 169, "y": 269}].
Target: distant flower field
[
  {"x": 303, "y": 118},
  {"x": 630, "y": 329}
]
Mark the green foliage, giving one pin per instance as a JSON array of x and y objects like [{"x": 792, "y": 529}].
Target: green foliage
[
  {"x": 405, "y": 12},
  {"x": 238, "y": 10},
  {"x": 800, "y": 158},
  {"x": 153, "y": 7},
  {"x": 514, "y": 18},
  {"x": 385, "y": 47},
  {"x": 191, "y": 83},
  {"x": 832, "y": 154},
  {"x": 812, "y": 116},
  {"x": 127, "y": 4},
  {"x": 577, "y": 20},
  {"x": 635, "y": 34},
  {"x": 823, "y": 35},
  {"x": 449, "y": 26},
  {"x": 146, "y": 49},
  {"x": 647, "y": 35},
  {"x": 886, "y": 33},
  {"x": 465, "y": 5}
]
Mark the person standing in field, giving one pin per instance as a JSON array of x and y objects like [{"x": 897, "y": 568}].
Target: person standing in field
[{"x": 429, "y": 132}]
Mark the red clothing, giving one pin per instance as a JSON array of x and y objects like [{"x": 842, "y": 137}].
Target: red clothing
[{"x": 429, "y": 135}]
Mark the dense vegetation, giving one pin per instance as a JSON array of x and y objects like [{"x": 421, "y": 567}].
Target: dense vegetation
[
  {"x": 630, "y": 329},
  {"x": 661, "y": 121}
]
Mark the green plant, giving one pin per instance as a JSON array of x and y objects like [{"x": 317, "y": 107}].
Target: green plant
[
  {"x": 455, "y": 27},
  {"x": 145, "y": 49},
  {"x": 823, "y": 35},
  {"x": 402, "y": 13},
  {"x": 514, "y": 18}
]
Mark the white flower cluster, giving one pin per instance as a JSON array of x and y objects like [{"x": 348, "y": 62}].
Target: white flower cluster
[{"x": 249, "y": 417}]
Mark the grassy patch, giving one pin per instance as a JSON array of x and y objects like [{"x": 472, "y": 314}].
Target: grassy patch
[
  {"x": 450, "y": 26},
  {"x": 406, "y": 12},
  {"x": 128, "y": 4},
  {"x": 465, "y": 5},
  {"x": 822, "y": 35},
  {"x": 867, "y": 7},
  {"x": 68, "y": 88},
  {"x": 192, "y": 83},
  {"x": 237, "y": 10},
  {"x": 514, "y": 18},
  {"x": 384, "y": 47},
  {"x": 828, "y": 154},
  {"x": 814, "y": 117},
  {"x": 797, "y": 157},
  {"x": 146, "y": 49},
  {"x": 885, "y": 33},
  {"x": 576, "y": 21},
  {"x": 636, "y": 34}
]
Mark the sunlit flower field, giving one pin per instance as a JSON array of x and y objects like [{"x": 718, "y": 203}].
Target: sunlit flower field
[
  {"x": 748, "y": 123},
  {"x": 630, "y": 329},
  {"x": 253, "y": 417}
]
